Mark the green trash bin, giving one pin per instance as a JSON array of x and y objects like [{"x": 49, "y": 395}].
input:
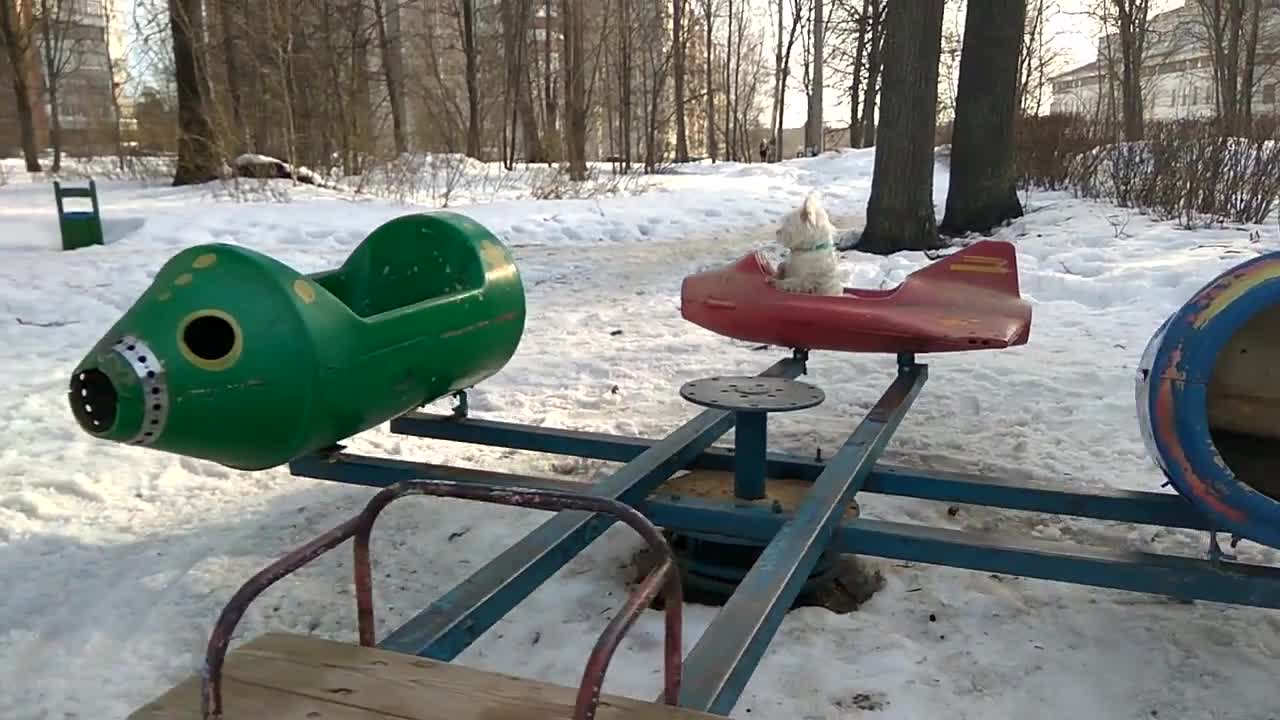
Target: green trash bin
[{"x": 79, "y": 228}]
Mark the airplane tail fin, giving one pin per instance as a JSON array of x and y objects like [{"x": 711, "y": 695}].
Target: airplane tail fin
[{"x": 990, "y": 264}]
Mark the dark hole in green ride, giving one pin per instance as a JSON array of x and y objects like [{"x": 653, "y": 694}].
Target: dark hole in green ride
[
  {"x": 209, "y": 337},
  {"x": 93, "y": 400}
]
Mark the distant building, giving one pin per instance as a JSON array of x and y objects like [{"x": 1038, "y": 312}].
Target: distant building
[
  {"x": 1177, "y": 79},
  {"x": 86, "y": 82},
  {"x": 10, "y": 133}
]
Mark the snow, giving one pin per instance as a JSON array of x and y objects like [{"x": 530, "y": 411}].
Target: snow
[{"x": 116, "y": 560}]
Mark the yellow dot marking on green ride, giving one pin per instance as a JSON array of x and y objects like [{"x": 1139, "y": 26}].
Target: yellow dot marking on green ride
[{"x": 304, "y": 291}]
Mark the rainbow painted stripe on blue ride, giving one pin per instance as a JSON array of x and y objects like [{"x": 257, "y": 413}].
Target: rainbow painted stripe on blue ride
[{"x": 1172, "y": 385}]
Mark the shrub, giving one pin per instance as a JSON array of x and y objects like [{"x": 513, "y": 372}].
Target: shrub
[
  {"x": 1189, "y": 170},
  {"x": 1046, "y": 146}
]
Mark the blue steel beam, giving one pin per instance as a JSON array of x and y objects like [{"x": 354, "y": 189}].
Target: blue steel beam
[
  {"x": 1188, "y": 578},
  {"x": 454, "y": 621},
  {"x": 1145, "y": 508},
  {"x": 377, "y": 472},
  {"x": 751, "y": 442},
  {"x": 1170, "y": 575},
  {"x": 719, "y": 666}
]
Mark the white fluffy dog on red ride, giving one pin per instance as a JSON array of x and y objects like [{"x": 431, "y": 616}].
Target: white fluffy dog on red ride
[{"x": 809, "y": 237}]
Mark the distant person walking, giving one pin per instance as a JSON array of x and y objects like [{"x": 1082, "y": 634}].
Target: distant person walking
[{"x": 764, "y": 150}]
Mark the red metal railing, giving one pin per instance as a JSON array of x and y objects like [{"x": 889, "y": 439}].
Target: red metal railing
[{"x": 665, "y": 578}]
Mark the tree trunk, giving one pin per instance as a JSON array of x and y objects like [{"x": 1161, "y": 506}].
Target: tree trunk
[
  {"x": 730, "y": 152},
  {"x": 55, "y": 128},
  {"x": 17, "y": 43},
  {"x": 775, "y": 115},
  {"x": 196, "y": 160},
  {"x": 471, "y": 55},
  {"x": 855, "y": 85},
  {"x": 785, "y": 74},
  {"x": 677, "y": 31},
  {"x": 534, "y": 152},
  {"x": 1132, "y": 16},
  {"x": 708, "y": 7},
  {"x": 1250, "y": 63},
  {"x": 874, "y": 64},
  {"x": 900, "y": 209},
  {"x": 983, "y": 193},
  {"x": 233, "y": 72},
  {"x": 52, "y": 50},
  {"x": 1232, "y": 66},
  {"x": 625, "y": 81},
  {"x": 116, "y": 89},
  {"x": 574, "y": 21},
  {"x": 814, "y": 135},
  {"x": 548, "y": 82},
  {"x": 389, "y": 50}
]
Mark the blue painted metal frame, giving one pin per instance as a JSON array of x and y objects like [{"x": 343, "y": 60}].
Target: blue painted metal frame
[
  {"x": 453, "y": 622},
  {"x": 750, "y": 444},
  {"x": 719, "y": 666},
  {"x": 1188, "y": 578},
  {"x": 1129, "y": 506},
  {"x": 1175, "y": 576}
]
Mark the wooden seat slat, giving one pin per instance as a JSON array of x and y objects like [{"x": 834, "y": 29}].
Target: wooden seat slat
[{"x": 292, "y": 677}]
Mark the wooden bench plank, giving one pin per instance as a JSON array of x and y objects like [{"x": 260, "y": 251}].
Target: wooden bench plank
[
  {"x": 245, "y": 701},
  {"x": 291, "y": 676}
]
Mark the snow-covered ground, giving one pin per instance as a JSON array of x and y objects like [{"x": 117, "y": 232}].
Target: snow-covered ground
[{"x": 115, "y": 561}]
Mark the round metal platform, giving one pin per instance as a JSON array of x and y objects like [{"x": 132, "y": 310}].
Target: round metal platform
[{"x": 752, "y": 394}]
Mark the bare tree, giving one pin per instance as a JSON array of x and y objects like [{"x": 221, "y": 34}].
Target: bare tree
[
  {"x": 900, "y": 210},
  {"x": 1230, "y": 33},
  {"x": 950, "y": 62},
  {"x": 1040, "y": 56},
  {"x": 983, "y": 193},
  {"x": 516, "y": 18},
  {"x": 678, "y": 47},
  {"x": 387, "y": 23},
  {"x": 15, "y": 31},
  {"x": 657, "y": 67},
  {"x": 813, "y": 127},
  {"x": 730, "y": 149},
  {"x": 549, "y": 104},
  {"x": 625, "y": 73},
  {"x": 855, "y": 84},
  {"x": 467, "y": 18},
  {"x": 1126, "y": 24},
  {"x": 196, "y": 158},
  {"x": 875, "y": 63},
  {"x": 230, "y": 54},
  {"x": 114, "y": 69},
  {"x": 848, "y": 30},
  {"x": 62, "y": 39},
  {"x": 785, "y": 45},
  {"x": 708, "y": 18},
  {"x": 573, "y": 19}
]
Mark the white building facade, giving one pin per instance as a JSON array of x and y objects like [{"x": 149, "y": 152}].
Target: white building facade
[{"x": 1177, "y": 76}]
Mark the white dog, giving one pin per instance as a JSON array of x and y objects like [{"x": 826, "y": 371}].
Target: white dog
[{"x": 810, "y": 266}]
